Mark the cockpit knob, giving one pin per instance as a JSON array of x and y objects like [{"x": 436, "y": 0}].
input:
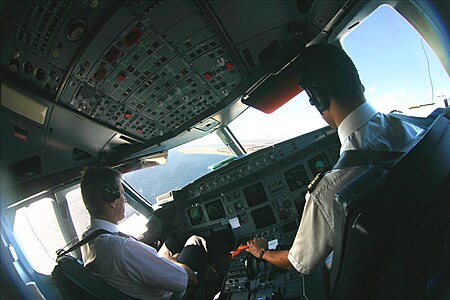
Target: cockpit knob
[
  {"x": 239, "y": 205},
  {"x": 40, "y": 74},
  {"x": 14, "y": 65}
]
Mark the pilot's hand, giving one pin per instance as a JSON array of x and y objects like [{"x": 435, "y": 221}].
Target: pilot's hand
[
  {"x": 172, "y": 257},
  {"x": 257, "y": 246}
]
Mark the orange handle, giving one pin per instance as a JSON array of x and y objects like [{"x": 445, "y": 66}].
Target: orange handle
[{"x": 238, "y": 250}]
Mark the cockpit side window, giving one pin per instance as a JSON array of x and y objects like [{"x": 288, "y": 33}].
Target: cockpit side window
[
  {"x": 133, "y": 224},
  {"x": 398, "y": 68},
  {"x": 43, "y": 225},
  {"x": 36, "y": 229}
]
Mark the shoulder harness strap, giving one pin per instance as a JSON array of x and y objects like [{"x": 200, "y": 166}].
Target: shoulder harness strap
[
  {"x": 358, "y": 158},
  {"x": 83, "y": 241}
]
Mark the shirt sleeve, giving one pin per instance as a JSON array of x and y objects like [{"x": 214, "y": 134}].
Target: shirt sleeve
[
  {"x": 314, "y": 239},
  {"x": 144, "y": 265}
]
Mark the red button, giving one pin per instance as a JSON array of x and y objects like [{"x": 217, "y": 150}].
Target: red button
[
  {"x": 207, "y": 76},
  {"x": 229, "y": 66},
  {"x": 21, "y": 136},
  {"x": 139, "y": 130},
  {"x": 128, "y": 116},
  {"x": 121, "y": 77}
]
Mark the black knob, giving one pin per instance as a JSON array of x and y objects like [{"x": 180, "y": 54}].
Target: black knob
[
  {"x": 40, "y": 74},
  {"x": 14, "y": 65},
  {"x": 28, "y": 67}
]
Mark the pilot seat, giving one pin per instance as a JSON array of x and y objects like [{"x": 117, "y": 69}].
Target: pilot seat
[{"x": 392, "y": 225}]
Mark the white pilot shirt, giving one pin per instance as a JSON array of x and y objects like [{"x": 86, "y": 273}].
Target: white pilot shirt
[
  {"x": 363, "y": 129},
  {"x": 130, "y": 266}
]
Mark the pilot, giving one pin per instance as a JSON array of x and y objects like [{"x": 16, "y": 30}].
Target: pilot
[
  {"x": 331, "y": 80},
  {"x": 131, "y": 266}
]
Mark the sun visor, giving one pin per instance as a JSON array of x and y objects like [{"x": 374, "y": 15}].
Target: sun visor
[{"x": 274, "y": 92}]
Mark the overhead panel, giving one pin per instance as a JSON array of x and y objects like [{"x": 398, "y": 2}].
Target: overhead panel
[
  {"x": 143, "y": 68},
  {"x": 45, "y": 36},
  {"x": 156, "y": 76},
  {"x": 267, "y": 26},
  {"x": 149, "y": 70}
]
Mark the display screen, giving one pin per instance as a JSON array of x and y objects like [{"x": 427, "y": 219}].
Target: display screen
[
  {"x": 272, "y": 244},
  {"x": 255, "y": 194},
  {"x": 319, "y": 164},
  {"x": 291, "y": 226},
  {"x": 215, "y": 210},
  {"x": 296, "y": 178},
  {"x": 263, "y": 217},
  {"x": 196, "y": 215}
]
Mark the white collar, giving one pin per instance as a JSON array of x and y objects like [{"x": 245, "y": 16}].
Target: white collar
[
  {"x": 102, "y": 224},
  {"x": 355, "y": 120}
]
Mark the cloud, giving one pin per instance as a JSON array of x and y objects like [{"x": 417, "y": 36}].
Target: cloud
[{"x": 372, "y": 90}]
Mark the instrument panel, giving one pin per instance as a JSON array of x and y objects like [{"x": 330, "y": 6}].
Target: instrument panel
[
  {"x": 259, "y": 195},
  {"x": 260, "y": 190}
]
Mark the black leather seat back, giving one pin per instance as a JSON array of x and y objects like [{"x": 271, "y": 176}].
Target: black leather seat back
[
  {"x": 391, "y": 224},
  {"x": 76, "y": 282}
]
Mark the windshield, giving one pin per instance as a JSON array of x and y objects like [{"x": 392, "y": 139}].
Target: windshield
[
  {"x": 397, "y": 67},
  {"x": 185, "y": 164},
  {"x": 256, "y": 130}
]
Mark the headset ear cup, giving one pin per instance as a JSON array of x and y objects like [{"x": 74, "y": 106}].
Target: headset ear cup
[
  {"x": 109, "y": 194},
  {"x": 319, "y": 99}
]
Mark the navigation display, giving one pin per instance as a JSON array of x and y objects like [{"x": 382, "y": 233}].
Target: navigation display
[
  {"x": 255, "y": 194},
  {"x": 263, "y": 217},
  {"x": 319, "y": 164},
  {"x": 296, "y": 178},
  {"x": 196, "y": 215},
  {"x": 215, "y": 210}
]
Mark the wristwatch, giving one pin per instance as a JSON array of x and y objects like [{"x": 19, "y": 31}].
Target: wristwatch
[{"x": 261, "y": 254}]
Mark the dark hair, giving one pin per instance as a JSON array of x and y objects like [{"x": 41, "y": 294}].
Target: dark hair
[
  {"x": 99, "y": 185},
  {"x": 331, "y": 70}
]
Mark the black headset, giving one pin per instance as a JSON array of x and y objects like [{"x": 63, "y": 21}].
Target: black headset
[
  {"x": 110, "y": 188},
  {"x": 317, "y": 96}
]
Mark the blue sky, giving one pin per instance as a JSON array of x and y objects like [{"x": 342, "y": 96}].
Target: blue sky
[
  {"x": 392, "y": 62},
  {"x": 400, "y": 79}
]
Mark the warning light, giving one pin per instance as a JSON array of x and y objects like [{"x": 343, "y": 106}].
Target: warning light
[
  {"x": 139, "y": 130},
  {"x": 121, "y": 77},
  {"x": 128, "y": 116},
  {"x": 21, "y": 136},
  {"x": 229, "y": 66},
  {"x": 207, "y": 76}
]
